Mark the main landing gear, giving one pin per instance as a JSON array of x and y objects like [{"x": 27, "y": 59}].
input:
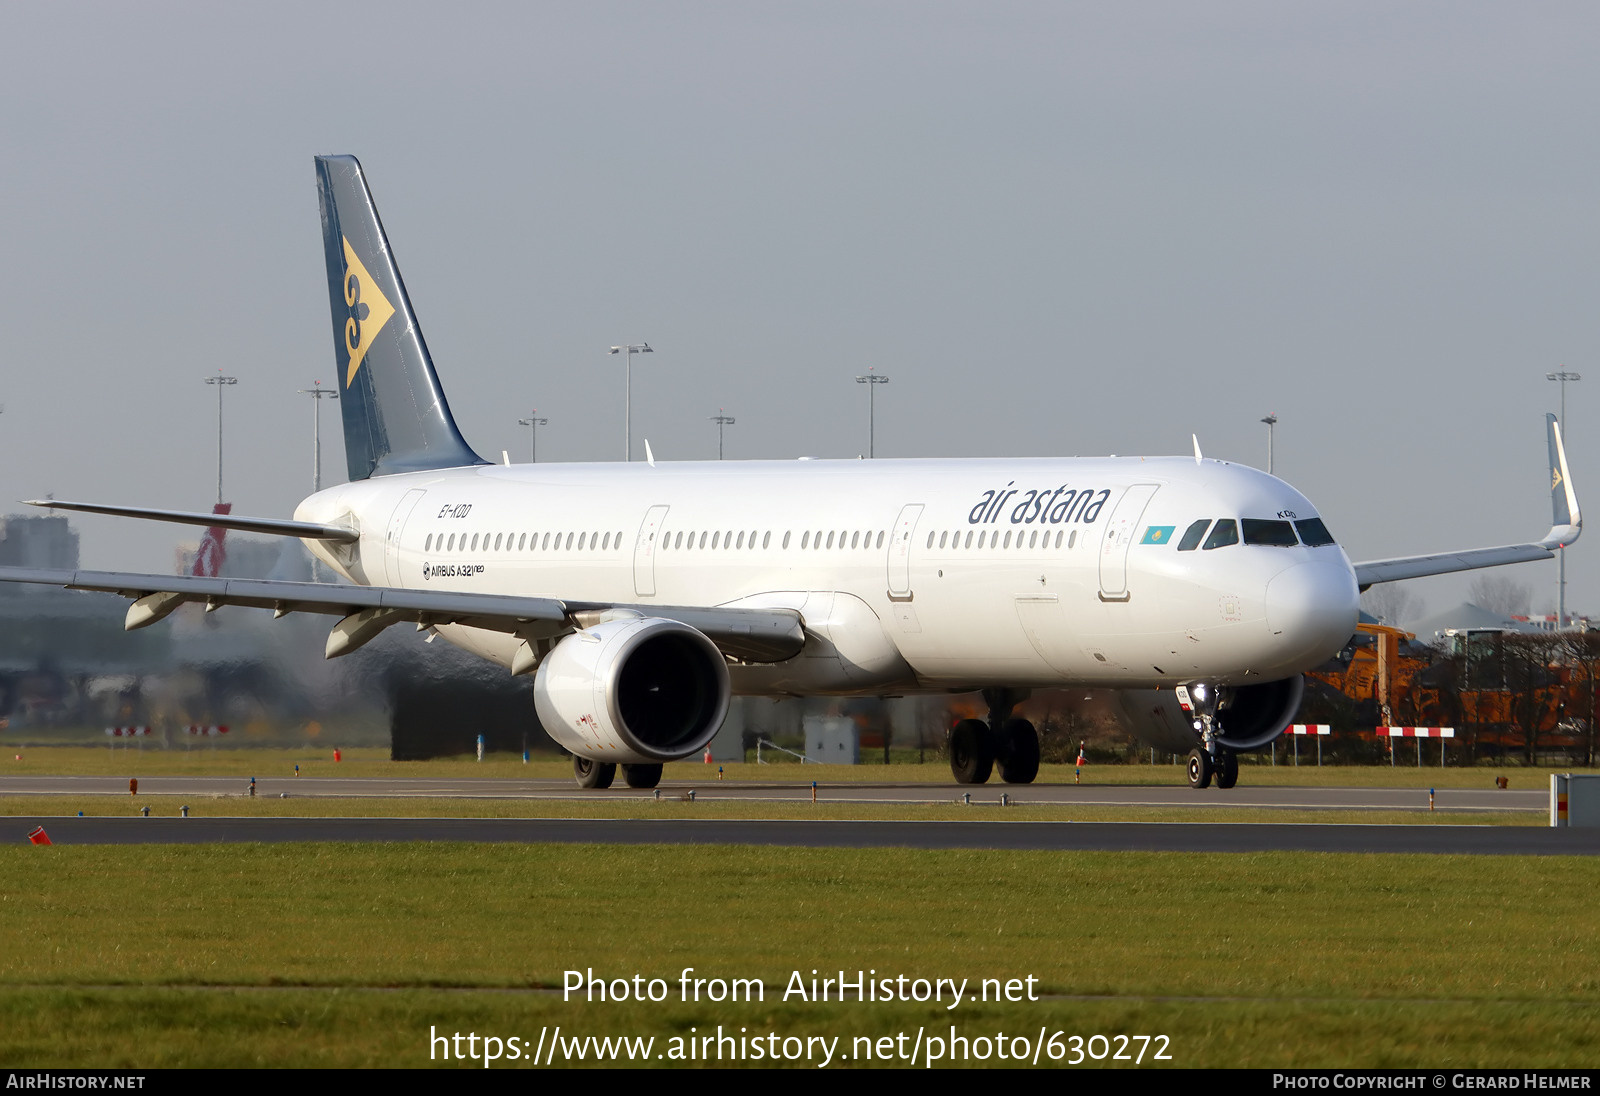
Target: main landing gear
[
  {"x": 1211, "y": 760},
  {"x": 590, "y": 773},
  {"x": 977, "y": 746}
]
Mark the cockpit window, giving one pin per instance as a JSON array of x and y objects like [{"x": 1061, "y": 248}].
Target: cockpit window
[
  {"x": 1192, "y": 535},
  {"x": 1276, "y": 534},
  {"x": 1223, "y": 534},
  {"x": 1313, "y": 533}
]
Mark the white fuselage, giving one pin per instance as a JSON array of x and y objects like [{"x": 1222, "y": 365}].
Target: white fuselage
[{"x": 910, "y": 575}]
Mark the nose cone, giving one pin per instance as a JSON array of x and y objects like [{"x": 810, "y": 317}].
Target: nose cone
[{"x": 1311, "y": 612}]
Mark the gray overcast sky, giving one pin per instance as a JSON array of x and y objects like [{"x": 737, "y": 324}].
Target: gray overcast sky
[{"x": 1061, "y": 229}]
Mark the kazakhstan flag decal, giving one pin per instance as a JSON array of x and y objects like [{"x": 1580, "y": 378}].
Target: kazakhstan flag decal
[{"x": 1158, "y": 534}]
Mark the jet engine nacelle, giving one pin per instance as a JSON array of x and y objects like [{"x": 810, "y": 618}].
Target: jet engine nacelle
[
  {"x": 1256, "y": 715},
  {"x": 637, "y": 691}
]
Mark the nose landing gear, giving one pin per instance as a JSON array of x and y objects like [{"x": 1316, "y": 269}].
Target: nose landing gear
[{"x": 1212, "y": 759}]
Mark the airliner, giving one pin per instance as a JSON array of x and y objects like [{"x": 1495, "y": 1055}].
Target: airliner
[{"x": 642, "y": 596}]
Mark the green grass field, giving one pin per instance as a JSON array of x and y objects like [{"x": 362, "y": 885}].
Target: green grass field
[{"x": 348, "y": 955}]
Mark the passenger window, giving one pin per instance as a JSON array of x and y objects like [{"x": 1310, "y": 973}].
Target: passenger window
[
  {"x": 703, "y": 539},
  {"x": 1072, "y": 538},
  {"x": 880, "y": 538},
  {"x": 1313, "y": 534},
  {"x": 427, "y": 542},
  {"x": 805, "y": 538},
  {"x": 741, "y": 539},
  {"x": 830, "y": 539},
  {"x": 766, "y": 539},
  {"x": 1008, "y": 538},
  {"x": 786, "y": 540},
  {"x": 930, "y": 540},
  {"x": 1193, "y": 534},
  {"x": 715, "y": 539},
  {"x": 522, "y": 542},
  {"x": 569, "y": 540},
  {"x": 1033, "y": 539},
  {"x": 581, "y": 538},
  {"x": 1224, "y": 534},
  {"x": 1274, "y": 534}
]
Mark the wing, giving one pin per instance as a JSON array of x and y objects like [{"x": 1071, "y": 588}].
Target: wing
[
  {"x": 1566, "y": 525},
  {"x": 750, "y": 635}
]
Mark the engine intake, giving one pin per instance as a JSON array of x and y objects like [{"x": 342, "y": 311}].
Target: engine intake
[
  {"x": 1255, "y": 716},
  {"x": 639, "y": 691},
  {"x": 1260, "y": 713}
]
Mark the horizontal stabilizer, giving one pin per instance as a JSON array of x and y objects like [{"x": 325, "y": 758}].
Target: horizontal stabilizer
[{"x": 281, "y": 527}]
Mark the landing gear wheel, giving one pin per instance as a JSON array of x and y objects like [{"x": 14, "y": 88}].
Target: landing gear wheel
[
  {"x": 971, "y": 752},
  {"x": 1019, "y": 752},
  {"x": 1228, "y": 771},
  {"x": 1199, "y": 769},
  {"x": 590, "y": 773},
  {"x": 641, "y": 776}
]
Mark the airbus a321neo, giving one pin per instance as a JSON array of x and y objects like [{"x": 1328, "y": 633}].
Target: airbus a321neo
[{"x": 642, "y": 596}]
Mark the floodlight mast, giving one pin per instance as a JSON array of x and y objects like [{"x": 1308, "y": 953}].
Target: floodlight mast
[
  {"x": 722, "y": 421},
  {"x": 627, "y": 353},
  {"x": 317, "y": 394},
  {"x": 533, "y": 422},
  {"x": 221, "y": 382},
  {"x": 872, "y": 380}
]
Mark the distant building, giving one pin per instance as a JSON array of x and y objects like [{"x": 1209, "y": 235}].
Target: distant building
[{"x": 27, "y": 540}]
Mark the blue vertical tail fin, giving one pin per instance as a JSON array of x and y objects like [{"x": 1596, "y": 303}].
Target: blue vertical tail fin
[{"x": 395, "y": 415}]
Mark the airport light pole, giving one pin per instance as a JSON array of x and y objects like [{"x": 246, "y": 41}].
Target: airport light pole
[
  {"x": 533, "y": 422},
  {"x": 1561, "y": 553},
  {"x": 220, "y": 381},
  {"x": 722, "y": 421},
  {"x": 317, "y": 394},
  {"x": 1271, "y": 421},
  {"x": 627, "y": 353},
  {"x": 872, "y": 380}
]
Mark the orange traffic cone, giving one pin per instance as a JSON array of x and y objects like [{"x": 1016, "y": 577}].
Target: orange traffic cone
[
  {"x": 39, "y": 837},
  {"x": 708, "y": 755}
]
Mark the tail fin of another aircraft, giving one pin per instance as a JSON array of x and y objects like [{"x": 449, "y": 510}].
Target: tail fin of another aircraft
[{"x": 395, "y": 415}]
